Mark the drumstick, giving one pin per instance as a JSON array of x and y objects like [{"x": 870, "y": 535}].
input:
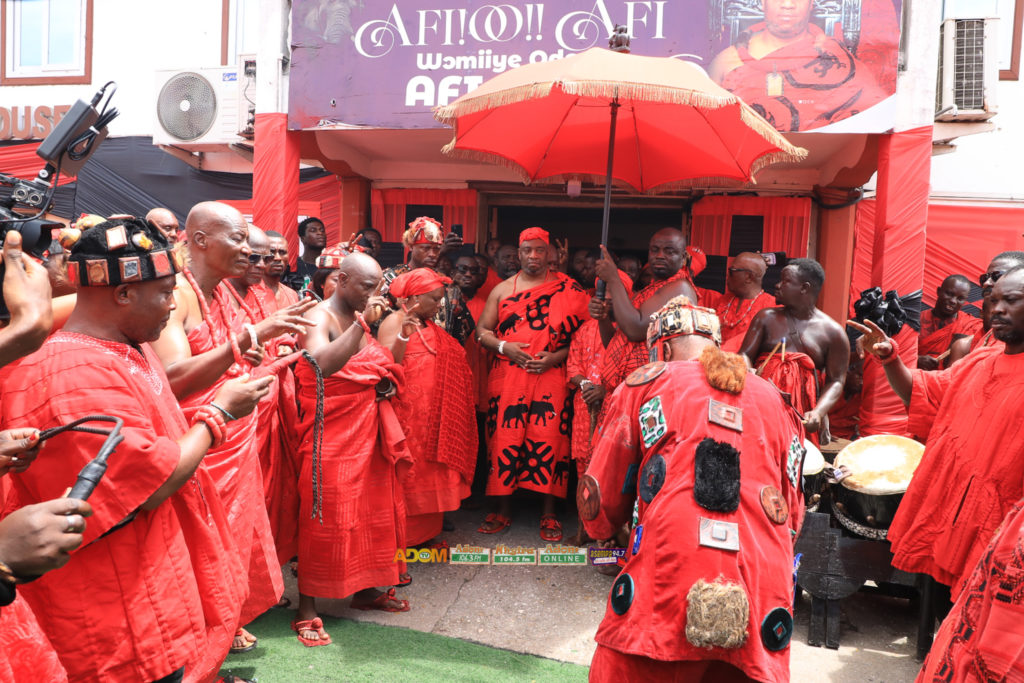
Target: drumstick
[
  {"x": 783, "y": 349},
  {"x": 770, "y": 354},
  {"x": 942, "y": 356}
]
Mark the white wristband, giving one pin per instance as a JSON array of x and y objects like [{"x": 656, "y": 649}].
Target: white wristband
[
  {"x": 405, "y": 339},
  {"x": 254, "y": 339},
  {"x": 501, "y": 348}
]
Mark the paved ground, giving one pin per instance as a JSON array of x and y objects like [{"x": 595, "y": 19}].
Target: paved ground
[{"x": 554, "y": 611}]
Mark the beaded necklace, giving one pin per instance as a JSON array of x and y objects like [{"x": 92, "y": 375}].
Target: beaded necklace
[
  {"x": 204, "y": 308},
  {"x": 731, "y": 323}
]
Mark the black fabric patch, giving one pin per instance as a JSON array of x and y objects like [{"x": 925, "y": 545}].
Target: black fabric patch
[
  {"x": 652, "y": 477},
  {"x": 629, "y": 485},
  {"x": 777, "y": 629},
  {"x": 716, "y": 483},
  {"x": 622, "y": 594}
]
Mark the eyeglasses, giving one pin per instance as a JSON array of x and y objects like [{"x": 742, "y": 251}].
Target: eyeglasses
[
  {"x": 740, "y": 270},
  {"x": 256, "y": 258},
  {"x": 994, "y": 276},
  {"x": 475, "y": 270}
]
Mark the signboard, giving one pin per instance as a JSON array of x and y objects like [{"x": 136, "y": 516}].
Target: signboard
[{"x": 803, "y": 64}]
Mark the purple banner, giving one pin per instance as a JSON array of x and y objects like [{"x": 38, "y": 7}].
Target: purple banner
[{"x": 803, "y": 64}]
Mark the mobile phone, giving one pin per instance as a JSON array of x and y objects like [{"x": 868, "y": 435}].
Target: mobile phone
[{"x": 457, "y": 229}]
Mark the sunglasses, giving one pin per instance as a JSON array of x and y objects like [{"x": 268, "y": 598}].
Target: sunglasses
[
  {"x": 740, "y": 270},
  {"x": 475, "y": 270},
  {"x": 256, "y": 258},
  {"x": 993, "y": 276}
]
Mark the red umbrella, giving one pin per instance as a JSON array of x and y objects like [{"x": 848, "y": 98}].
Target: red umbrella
[{"x": 667, "y": 123}]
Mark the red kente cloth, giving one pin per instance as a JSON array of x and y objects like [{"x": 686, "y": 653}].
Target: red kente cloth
[
  {"x": 235, "y": 465},
  {"x": 797, "y": 377},
  {"x": 973, "y": 465},
  {"x": 529, "y": 416},
  {"x": 735, "y": 314},
  {"x": 806, "y": 84},
  {"x": 670, "y": 558},
  {"x": 26, "y": 655},
  {"x": 982, "y": 638},
  {"x": 586, "y": 358},
  {"x": 364, "y": 455},
  {"x": 160, "y": 592},
  {"x": 623, "y": 356},
  {"x": 438, "y": 415},
  {"x": 934, "y": 341}
]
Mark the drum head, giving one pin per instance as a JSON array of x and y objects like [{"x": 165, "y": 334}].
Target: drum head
[
  {"x": 880, "y": 465},
  {"x": 814, "y": 461}
]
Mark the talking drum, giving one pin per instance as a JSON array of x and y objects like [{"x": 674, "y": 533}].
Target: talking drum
[
  {"x": 874, "y": 473},
  {"x": 815, "y": 476}
]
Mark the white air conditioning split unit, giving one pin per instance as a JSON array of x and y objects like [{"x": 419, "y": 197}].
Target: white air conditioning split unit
[
  {"x": 198, "y": 108},
  {"x": 968, "y": 70}
]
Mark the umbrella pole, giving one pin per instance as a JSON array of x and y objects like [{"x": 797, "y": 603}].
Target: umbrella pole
[{"x": 608, "y": 185}]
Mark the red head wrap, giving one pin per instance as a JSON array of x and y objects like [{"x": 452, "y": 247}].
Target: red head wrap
[
  {"x": 534, "y": 234},
  {"x": 333, "y": 256},
  {"x": 417, "y": 281}
]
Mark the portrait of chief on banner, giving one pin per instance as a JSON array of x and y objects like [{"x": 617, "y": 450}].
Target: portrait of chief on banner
[{"x": 822, "y": 65}]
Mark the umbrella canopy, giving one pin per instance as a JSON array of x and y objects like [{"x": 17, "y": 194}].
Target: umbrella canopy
[{"x": 676, "y": 127}]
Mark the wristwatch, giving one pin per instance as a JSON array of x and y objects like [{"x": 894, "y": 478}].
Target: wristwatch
[{"x": 584, "y": 382}]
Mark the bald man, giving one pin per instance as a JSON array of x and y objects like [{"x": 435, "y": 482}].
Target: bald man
[
  {"x": 164, "y": 221},
  {"x": 743, "y": 298},
  {"x": 667, "y": 258},
  {"x": 352, "y": 510},
  {"x": 945, "y": 323},
  {"x": 207, "y": 342}
]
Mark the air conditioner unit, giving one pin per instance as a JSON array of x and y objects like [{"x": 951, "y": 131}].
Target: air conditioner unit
[
  {"x": 197, "y": 108},
  {"x": 968, "y": 70}
]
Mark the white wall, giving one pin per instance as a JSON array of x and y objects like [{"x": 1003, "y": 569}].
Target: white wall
[
  {"x": 987, "y": 165},
  {"x": 132, "y": 39}
]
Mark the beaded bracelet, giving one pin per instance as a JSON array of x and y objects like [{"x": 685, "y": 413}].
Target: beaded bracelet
[
  {"x": 254, "y": 339},
  {"x": 228, "y": 417},
  {"x": 891, "y": 358},
  {"x": 214, "y": 422}
]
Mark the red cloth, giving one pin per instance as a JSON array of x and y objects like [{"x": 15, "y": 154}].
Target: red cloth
[
  {"x": 625, "y": 356},
  {"x": 528, "y": 416},
  {"x": 705, "y": 297},
  {"x": 275, "y": 177},
  {"x": 844, "y": 417},
  {"x": 437, "y": 409},
  {"x": 534, "y": 234},
  {"x": 364, "y": 453},
  {"x": 934, "y": 340},
  {"x": 807, "y": 84},
  {"x": 235, "y": 465},
  {"x": 982, "y": 638},
  {"x": 609, "y": 666},
  {"x": 417, "y": 281},
  {"x": 973, "y": 465},
  {"x": 586, "y": 358},
  {"x": 489, "y": 284},
  {"x": 477, "y": 356},
  {"x": 797, "y": 377},
  {"x": 670, "y": 559},
  {"x": 162, "y": 587},
  {"x": 735, "y": 314},
  {"x": 26, "y": 655},
  {"x": 284, "y": 296}
]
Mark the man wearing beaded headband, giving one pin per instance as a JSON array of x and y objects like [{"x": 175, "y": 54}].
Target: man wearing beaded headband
[
  {"x": 528, "y": 321},
  {"x": 201, "y": 348},
  {"x": 425, "y": 240},
  {"x": 706, "y": 591},
  {"x": 167, "y": 584}
]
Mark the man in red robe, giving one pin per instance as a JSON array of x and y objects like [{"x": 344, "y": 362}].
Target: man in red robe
[
  {"x": 207, "y": 342},
  {"x": 352, "y": 512},
  {"x": 972, "y": 470},
  {"x": 278, "y": 267},
  {"x": 980, "y": 339},
  {"x": 945, "y": 323},
  {"x": 980, "y": 639},
  {"x": 792, "y": 345},
  {"x": 706, "y": 591},
  {"x": 436, "y": 405},
  {"x": 791, "y": 73},
  {"x": 743, "y": 298},
  {"x": 667, "y": 259},
  {"x": 156, "y": 573},
  {"x": 528, "y": 322}
]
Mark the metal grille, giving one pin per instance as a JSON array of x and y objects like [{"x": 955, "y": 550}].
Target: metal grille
[
  {"x": 969, "y": 59},
  {"x": 187, "y": 106}
]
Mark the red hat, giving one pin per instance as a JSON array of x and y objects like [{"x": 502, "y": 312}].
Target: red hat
[
  {"x": 698, "y": 260},
  {"x": 423, "y": 230},
  {"x": 333, "y": 256},
  {"x": 417, "y": 281},
  {"x": 534, "y": 234}
]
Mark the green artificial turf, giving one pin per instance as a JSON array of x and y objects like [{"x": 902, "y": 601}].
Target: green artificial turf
[{"x": 381, "y": 654}]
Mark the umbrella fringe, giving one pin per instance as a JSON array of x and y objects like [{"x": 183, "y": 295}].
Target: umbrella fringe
[
  {"x": 496, "y": 159},
  {"x": 449, "y": 113}
]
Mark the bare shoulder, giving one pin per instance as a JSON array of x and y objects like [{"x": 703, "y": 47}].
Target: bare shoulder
[
  {"x": 829, "y": 325},
  {"x": 187, "y": 311},
  {"x": 502, "y": 289}
]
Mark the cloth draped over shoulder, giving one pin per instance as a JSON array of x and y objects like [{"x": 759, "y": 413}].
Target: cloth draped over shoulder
[
  {"x": 972, "y": 470},
  {"x": 352, "y": 505},
  {"x": 934, "y": 341},
  {"x": 796, "y": 376},
  {"x": 529, "y": 415}
]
